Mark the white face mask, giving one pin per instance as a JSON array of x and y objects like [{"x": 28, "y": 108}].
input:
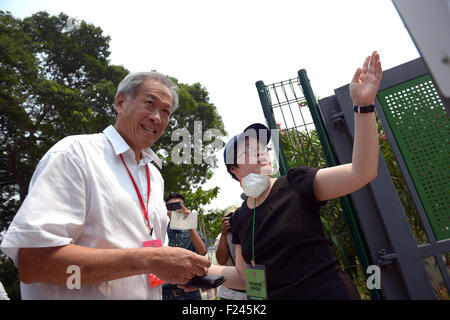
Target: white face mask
[{"x": 255, "y": 184}]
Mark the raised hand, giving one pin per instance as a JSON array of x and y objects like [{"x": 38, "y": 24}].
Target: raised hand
[{"x": 366, "y": 81}]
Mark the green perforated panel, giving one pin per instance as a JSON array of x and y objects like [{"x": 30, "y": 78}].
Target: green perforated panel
[{"x": 420, "y": 124}]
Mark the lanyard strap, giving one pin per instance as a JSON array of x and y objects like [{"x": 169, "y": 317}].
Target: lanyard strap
[
  {"x": 144, "y": 209},
  {"x": 253, "y": 234}
]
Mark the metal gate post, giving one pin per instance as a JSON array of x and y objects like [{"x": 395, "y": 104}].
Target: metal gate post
[{"x": 268, "y": 113}]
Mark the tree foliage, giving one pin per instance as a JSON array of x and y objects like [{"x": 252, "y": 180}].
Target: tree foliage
[
  {"x": 194, "y": 107},
  {"x": 9, "y": 278},
  {"x": 54, "y": 82},
  {"x": 211, "y": 223}
]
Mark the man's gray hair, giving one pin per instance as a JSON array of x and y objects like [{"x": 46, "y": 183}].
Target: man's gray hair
[{"x": 131, "y": 83}]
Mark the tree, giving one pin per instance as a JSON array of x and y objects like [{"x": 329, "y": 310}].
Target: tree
[
  {"x": 212, "y": 224},
  {"x": 9, "y": 278},
  {"x": 207, "y": 220},
  {"x": 57, "y": 81},
  {"x": 195, "y": 116},
  {"x": 54, "y": 82}
]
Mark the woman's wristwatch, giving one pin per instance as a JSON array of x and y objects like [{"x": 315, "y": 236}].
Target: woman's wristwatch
[{"x": 364, "y": 109}]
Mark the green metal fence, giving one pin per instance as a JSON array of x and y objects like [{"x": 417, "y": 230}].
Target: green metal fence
[
  {"x": 290, "y": 107},
  {"x": 420, "y": 126}
]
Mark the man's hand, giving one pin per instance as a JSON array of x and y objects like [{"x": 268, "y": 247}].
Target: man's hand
[
  {"x": 366, "y": 81},
  {"x": 225, "y": 226},
  {"x": 184, "y": 210},
  {"x": 178, "y": 265}
]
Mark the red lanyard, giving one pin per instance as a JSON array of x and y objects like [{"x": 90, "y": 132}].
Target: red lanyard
[{"x": 139, "y": 193}]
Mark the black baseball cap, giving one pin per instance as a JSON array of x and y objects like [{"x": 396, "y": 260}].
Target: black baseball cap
[{"x": 258, "y": 130}]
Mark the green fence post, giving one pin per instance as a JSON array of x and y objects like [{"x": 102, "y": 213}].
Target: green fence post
[
  {"x": 268, "y": 113},
  {"x": 357, "y": 239}
]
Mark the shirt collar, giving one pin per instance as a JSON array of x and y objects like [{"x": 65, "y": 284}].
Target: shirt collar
[{"x": 120, "y": 146}]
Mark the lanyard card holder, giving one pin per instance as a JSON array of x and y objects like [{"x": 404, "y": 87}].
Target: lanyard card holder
[
  {"x": 154, "y": 280},
  {"x": 255, "y": 282}
]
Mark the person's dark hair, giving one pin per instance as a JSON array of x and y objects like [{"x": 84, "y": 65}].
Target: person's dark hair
[
  {"x": 249, "y": 132},
  {"x": 232, "y": 165},
  {"x": 174, "y": 195}
]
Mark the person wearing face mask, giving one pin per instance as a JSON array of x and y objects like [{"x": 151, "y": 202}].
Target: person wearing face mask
[{"x": 281, "y": 249}]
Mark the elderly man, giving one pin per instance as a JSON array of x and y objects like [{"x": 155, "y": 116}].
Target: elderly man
[{"x": 95, "y": 210}]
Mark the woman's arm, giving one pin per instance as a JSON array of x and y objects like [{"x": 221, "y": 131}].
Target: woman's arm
[
  {"x": 235, "y": 276},
  {"x": 338, "y": 181}
]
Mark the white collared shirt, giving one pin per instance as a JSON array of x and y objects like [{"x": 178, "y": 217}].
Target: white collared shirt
[{"x": 81, "y": 193}]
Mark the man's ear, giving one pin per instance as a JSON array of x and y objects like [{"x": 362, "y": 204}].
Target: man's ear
[{"x": 119, "y": 104}]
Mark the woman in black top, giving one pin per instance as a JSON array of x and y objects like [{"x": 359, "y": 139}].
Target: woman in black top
[
  {"x": 289, "y": 241},
  {"x": 279, "y": 226}
]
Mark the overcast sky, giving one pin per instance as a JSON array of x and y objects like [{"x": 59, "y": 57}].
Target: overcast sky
[{"x": 229, "y": 45}]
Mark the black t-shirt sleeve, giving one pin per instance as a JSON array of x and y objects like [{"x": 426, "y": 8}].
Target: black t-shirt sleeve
[
  {"x": 301, "y": 179},
  {"x": 235, "y": 228}
]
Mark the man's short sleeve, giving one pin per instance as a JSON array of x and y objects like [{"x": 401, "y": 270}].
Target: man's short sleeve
[
  {"x": 302, "y": 179},
  {"x": 53, "y": 213}
]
